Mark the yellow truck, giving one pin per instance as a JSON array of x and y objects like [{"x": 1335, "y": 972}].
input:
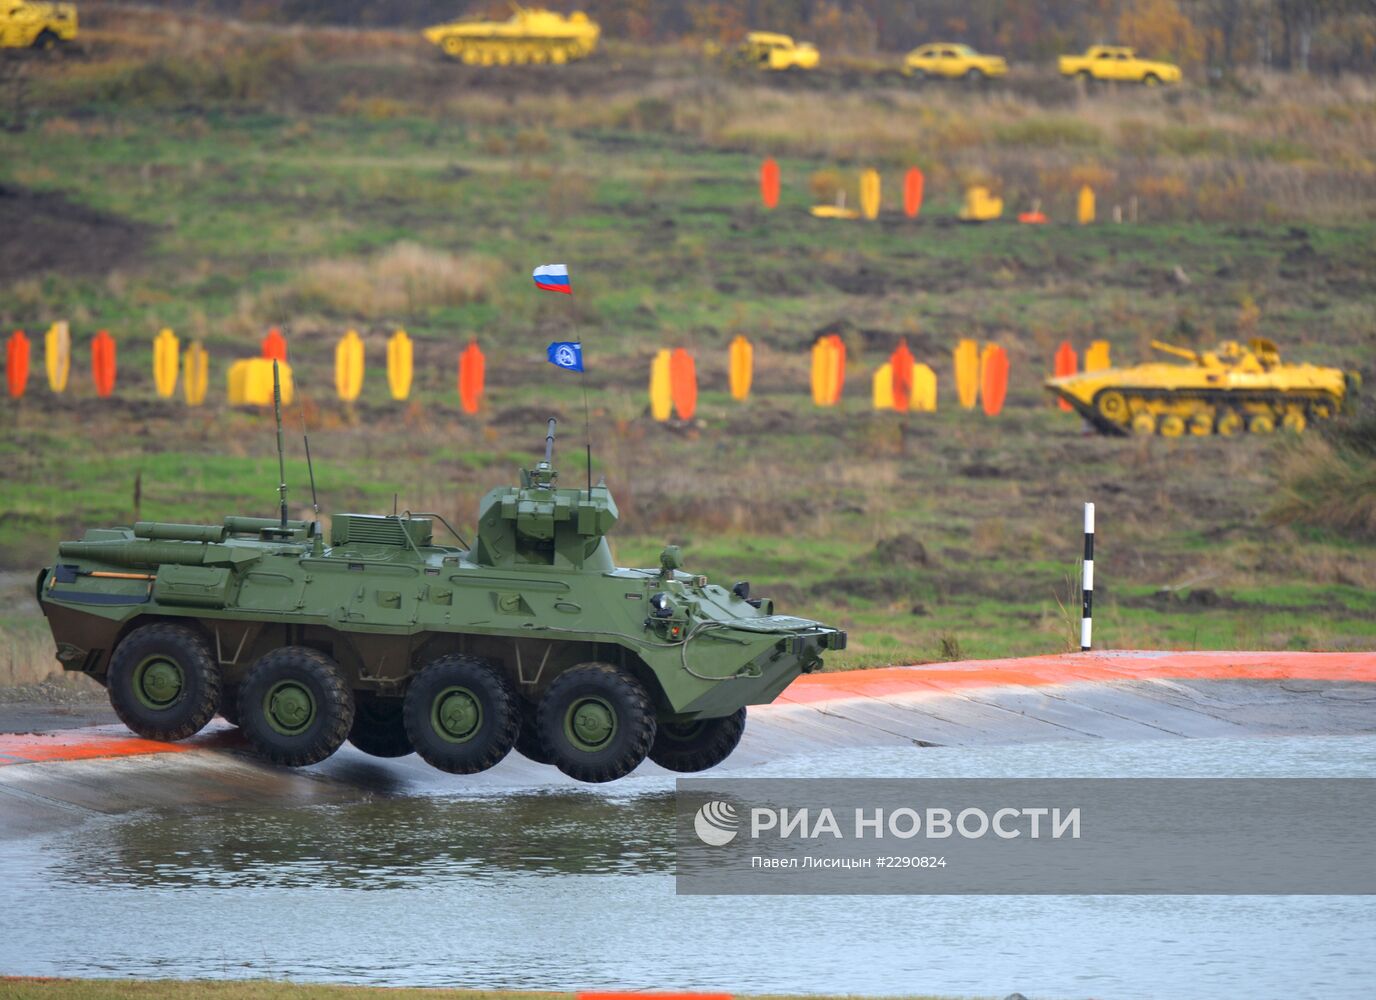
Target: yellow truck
[
  {"x": 1118, "y": 63},
  {"x": 25, "y": 25},
  {"x": 948, "y": 61},
  {"x": 772, "y": 51}
]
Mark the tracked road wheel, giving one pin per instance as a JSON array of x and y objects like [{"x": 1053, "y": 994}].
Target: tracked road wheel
[
  {"x": 1144, "y": 424},
  {"x": 1294, "y": 422},
  {"x": 1229, "y": 423},
  {"x": 1261, "y": 423},
  {"x": 379, "y": 729},
  {"x": 164, "y": 684},
  {"x": 1171, "y": 426},
  {"x": 1202, "y": 424},
  {"x": 295, "y": 707},
  {"x": 698, "y": 745},
  {"x": 597, "y": 723},
  {"x": 1112, "y": 406},
  {"x": 461, "y": 714}
]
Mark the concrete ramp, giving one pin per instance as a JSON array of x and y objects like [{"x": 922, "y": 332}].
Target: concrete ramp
[{"x": 51, "y": 779}]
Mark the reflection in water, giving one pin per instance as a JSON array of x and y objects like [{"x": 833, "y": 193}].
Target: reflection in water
[
  {"x": 384, "y": 844},
  {"x": 574, "y": 890}
]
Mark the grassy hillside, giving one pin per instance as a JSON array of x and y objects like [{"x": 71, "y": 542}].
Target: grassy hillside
[{"x": 220, "y": 178}]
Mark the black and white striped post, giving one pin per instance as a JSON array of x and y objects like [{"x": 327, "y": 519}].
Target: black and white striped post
[{"x": 1087, "y": 581}]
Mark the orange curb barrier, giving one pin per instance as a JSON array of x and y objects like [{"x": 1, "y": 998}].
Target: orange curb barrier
[{"x": 1078, "y": 668}]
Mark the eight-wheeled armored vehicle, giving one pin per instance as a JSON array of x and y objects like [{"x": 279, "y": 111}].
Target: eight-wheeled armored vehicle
[
  {"x": 1228, "y": 390},
  {"x": 529, "y": 637}
]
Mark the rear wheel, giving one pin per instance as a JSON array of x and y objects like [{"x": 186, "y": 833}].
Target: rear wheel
[
  {"x": 461, "y": 715},
  {"x": 379, "y": 729},
  {"x": 295, "y": 707},
  {"x": 46, "y": 41},
  {"x": 1151, "y": 80},
  {"x": 974, "y": 76},
  {"x": 164, "y": 684},
  {"x": 596, "y": 722},
  {"x": 696, "y": 746}
]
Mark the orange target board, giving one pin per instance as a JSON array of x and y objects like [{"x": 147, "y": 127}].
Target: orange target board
[
  {"x": 993, "y": 379},
  {"x": 17, "y": 363},
  {"x": 913, "y": 183},
  {"x": 683, "y": 383},
  {"x": 769, "y": 183},
  {"x": 103, "y": 366},
  {"x": 472, "y": 375}
]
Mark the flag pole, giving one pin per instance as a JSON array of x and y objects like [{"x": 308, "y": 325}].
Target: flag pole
[{"x": 582, "y": 377}]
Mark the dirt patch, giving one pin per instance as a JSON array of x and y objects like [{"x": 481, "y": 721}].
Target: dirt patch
[{"x": 43, "y": 231}]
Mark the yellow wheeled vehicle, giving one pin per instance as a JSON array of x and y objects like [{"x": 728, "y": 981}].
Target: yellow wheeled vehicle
[
  {"x": 529, "y": 36},
  {"x": 25, "y": 25},
  {"x": 772, "y": 51},
  {"x": 1228, "y": 390}
]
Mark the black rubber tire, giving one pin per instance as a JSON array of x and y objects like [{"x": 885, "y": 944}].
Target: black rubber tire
[
  {"x": 974, "y": 76},
  {"x": 315, "y": 672},
  {"x": 634, "y": 733},
  {"x": 528, "y": 742},
  {"x": 699, "y": 745},
  {"x": 196, "y": 702},
  {"x": 379, "y": 729},
  {"x": 46, "y": 41},
  {"x": 498, "y": 723},
  {"x": 229, "y": 703}
]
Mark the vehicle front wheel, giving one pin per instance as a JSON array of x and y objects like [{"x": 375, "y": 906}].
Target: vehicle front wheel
[
  {"x": 698, "y": 745},
  {"x": 597, "y": 723},
  {"x": 163, "y": 682},
  {"x": 461, "y": 715},
  {"x": 1151, "y": 80},
  {"x": 295, "y": 708},
  {"x": 379, "y": 729}
]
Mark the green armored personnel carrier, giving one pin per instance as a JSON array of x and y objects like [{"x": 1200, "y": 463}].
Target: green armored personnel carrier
[{"x": 529, "y": 637}]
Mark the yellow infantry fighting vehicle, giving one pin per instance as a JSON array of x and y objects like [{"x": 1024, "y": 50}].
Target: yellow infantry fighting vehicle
[
  {"x": 945, "y": 61},
  {"x": 530, "y": 35},
  {"x": 1118, "y": 63},
  {"x": 1224, "y": 391},
  {"x": 769, "y": 50},
  {"x": 25, "y": 25}
]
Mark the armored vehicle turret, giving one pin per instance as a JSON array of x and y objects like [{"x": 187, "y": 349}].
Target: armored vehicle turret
[
  {"x": 1228, "y": 390},
  {"x": 529, "y": 637}
]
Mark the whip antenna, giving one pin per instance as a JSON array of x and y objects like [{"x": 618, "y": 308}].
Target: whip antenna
[{"x": 281, "y": 456}]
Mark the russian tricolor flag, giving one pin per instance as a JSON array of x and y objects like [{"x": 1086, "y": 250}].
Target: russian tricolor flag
[{"x": 553, "y": 278}]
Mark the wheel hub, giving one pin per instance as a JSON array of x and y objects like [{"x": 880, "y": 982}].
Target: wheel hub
[
  {"x": 457, "y": 715},
  {"x": 591, "y": 723},
  {"x": 158, "y": 682},
  {"x": 290, "y": 708}
]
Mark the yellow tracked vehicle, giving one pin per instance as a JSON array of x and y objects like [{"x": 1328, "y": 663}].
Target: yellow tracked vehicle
[
  {"x": 529, "y": 36},
  {"x": 770, "y": 50},
  {"x": 1228, "y": 390}
]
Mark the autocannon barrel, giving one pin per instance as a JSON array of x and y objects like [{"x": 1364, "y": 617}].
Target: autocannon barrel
[
  {"x": 549, "y": 442},
  {"x": 136, "y": 553},
  {"x": 162, "y": 531}
]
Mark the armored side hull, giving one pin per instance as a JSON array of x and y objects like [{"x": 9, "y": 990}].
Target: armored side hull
[
  {"x": 528, "y": 37},
  {"x": 1227, "y": 391},
  {"x": 534, "y": 599}
]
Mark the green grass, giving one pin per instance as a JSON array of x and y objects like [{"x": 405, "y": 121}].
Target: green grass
[{"x": 241, "y": 193}]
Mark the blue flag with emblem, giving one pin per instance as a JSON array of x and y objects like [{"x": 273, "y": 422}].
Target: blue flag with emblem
[{"x": 566, "y": 354}]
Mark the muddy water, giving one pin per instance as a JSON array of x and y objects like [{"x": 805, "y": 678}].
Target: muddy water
[{"x": 574, "y": 889}]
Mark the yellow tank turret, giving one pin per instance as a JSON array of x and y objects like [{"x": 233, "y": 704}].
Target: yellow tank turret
[
  {"x": 529, "y": 36},
  {"x": 1228, "y": 390}
]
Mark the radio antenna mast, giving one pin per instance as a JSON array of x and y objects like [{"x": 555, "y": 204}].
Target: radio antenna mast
[{"x": 281, "y": 456}]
